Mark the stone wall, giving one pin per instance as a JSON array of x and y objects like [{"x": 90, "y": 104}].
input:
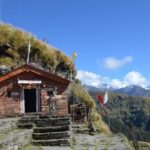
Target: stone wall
[
  {"x": 58, "y": 104},
  {"x": 16, "y": 139},
  {"x": 44, "y": 101},
  {"x": 8, "y": 124},
  {"x": 9, "y": 104},
  {"x": 10, "y": 137},
  {"x": 61, "y": 104}
]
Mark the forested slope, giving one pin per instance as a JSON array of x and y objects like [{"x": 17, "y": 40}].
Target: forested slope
[{"x": 126, "y": 113}]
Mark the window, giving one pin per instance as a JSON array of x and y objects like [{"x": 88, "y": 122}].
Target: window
[
  {"x": 9, "y": 93},
  {"x": 50, "y": 93}
]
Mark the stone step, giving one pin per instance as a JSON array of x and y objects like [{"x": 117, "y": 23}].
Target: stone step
[
  {"x": 52, "y": 142},
  {"x": 53, "y": 117},
  {"x": 83, "y": 130},
  {"x": 45, "y": 116},
  {"x": 51, "y": 135},
  {"x": 36, "y": 119},
  {"x": 51, "y": 129},
  {"x": 30, "y": 117},
  {"x": 22, "y": 120},
  {"x": 54, "y": 122},
  {"x": 25, "y": 126},
  {"x": 58, "y": 118},
  {"x": 33, "y": 114}
]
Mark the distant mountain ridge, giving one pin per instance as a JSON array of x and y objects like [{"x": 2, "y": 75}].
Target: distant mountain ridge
[{"x": 132, "y": 90}]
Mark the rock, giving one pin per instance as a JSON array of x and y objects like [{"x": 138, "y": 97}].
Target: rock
[
  {"x": 15, "y": 139},
  {"x": 16, "y": 147}
]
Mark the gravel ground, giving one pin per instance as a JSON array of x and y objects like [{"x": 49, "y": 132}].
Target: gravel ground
[
  {"x": 101, "y": 142},
  {"x": 95, "y": 142},
  {"x": 56, "y": 148}
]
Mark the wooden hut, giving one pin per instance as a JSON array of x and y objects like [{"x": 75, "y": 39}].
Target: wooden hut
[{"x": 31, "y": 89}]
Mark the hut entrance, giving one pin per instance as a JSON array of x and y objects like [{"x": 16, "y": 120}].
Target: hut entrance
[{"x": 30, "y": 100}]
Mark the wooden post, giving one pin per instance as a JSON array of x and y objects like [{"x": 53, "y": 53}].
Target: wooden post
[{"x": 135, "y": 141}]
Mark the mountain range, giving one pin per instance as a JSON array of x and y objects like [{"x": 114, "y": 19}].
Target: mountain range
[
  {"x": 125, "y": 114},
  {"x": 127, "y": 107},
  {"x": 132, "y": 90}
]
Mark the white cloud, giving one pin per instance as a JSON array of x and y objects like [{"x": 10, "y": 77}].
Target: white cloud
[
  {"x": 114, "y": 63},
  {"x": 131, "y": 78},
  {"x": 116, "y": 83},
  {"x": 135, "y": 78},
  {"x": 89, "y": 78}
]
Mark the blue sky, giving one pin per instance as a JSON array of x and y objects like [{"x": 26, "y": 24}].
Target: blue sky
[{"x": 111, "y": 37}]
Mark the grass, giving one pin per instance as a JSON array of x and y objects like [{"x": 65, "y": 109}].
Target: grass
[
  {"x": 78, "y": 92},
  {"x": 142, "y": 145},
  {"x": 31, "y": 147},
  {"x": 41, "y": 53}
]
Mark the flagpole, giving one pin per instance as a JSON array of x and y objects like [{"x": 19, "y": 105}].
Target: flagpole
[
  {"x": 105, "y": 101},
  {"x": 108, "y": 119},
  {"x": 74, "y": 55},
  {"x": 28, "y": 55}
]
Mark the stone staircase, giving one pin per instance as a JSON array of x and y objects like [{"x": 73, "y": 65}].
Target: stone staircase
[
  {"x": 28, "y": 121},
  {"x": 53, "y": 131}
]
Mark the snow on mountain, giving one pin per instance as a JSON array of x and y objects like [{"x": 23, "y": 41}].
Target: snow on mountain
[{"x": 132, "y": 90}]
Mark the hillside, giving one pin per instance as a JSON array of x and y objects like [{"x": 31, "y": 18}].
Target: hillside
[
  {"x": 13, "y": 53},
  {"x": 14, "y": 49},
  {"x": 127, "y": 112},
  {"x": 79, "y": 95}
]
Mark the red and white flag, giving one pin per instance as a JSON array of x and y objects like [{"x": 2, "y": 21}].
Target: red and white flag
[
  {"x": 105, "y": 98},
  {"x": 100, "y": 99},
  {"x": 103, "y": 101}
]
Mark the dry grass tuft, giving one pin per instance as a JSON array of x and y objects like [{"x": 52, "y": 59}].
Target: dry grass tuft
[
  {"x": 99, "y": 123},
  {"x": 77, "y": 91}
]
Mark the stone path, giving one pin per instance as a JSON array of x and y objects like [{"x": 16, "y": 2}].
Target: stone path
[
  {"x": 81, "y": 142},
  {"x": 89, "y": 142},
  {"x": 100, "y": 142},
  {"x": 57, "y": 148}
]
